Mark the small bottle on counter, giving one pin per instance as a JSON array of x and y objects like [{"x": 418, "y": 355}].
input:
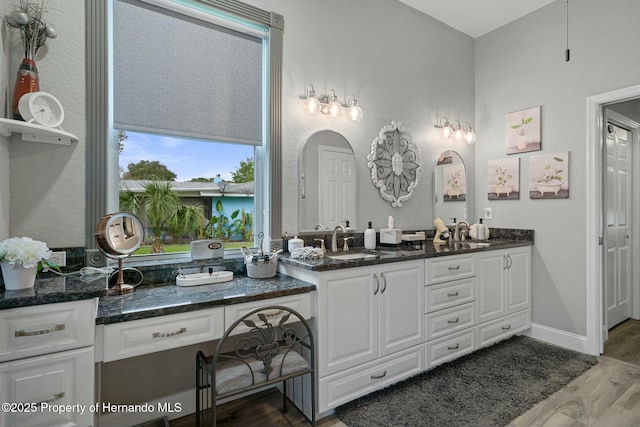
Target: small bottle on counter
[
  {"x": 370, "y": 237},
  {"x": 481, "y": 232}
]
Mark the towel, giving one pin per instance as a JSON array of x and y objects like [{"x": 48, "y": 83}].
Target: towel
[{"x": 306, "y": 252}]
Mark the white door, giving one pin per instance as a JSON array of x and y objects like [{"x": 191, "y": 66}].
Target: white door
[
  {"x": 337, "y": 184},
  {"x": 617, "y": 199}
]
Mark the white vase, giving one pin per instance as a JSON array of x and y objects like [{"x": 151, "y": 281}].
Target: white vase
[{"x": 18, "y": 277}]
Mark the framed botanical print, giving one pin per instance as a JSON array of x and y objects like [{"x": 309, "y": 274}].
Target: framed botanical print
[{"x": 523, "y": 131}]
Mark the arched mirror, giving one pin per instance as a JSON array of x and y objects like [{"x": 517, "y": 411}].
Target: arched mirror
[
  {"x": 450, "y": 187},
  {"x": 328, "y": 186},
  {"x": 118, "y": 235}
]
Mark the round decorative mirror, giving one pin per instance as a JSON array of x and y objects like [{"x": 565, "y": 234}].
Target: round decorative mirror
[
  {"x": 395, "y": 164},
  {"x": 118, "y": 235},
  {"x": 450, "y": 187}
]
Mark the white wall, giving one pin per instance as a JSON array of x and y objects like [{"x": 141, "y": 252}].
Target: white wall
[
  {"x": 401, "y": 64},
  {"x": 522, "y": 65},
  {"x": 4, "y": 142},
  {"x": 46, "y": 182}
]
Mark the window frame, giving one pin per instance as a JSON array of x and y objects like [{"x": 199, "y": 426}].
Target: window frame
[{"x": 102, "y": 148}]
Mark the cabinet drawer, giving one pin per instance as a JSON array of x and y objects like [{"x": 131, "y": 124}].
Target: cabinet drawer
[
  {"x": 350, "y": 384},
  {"x": 443, "y": 269},
  {"x": 449, "y": 294},
  {"x": 451, "y": 320},
  {"x": 137, "y": 337},
  {"x": 503, "y": 328},
  {"x": 299, "y": 302},
  {"x": 42, "y": 329},
  {"x": 64, "y": 378},
  {"x": 450, "y": 347}
]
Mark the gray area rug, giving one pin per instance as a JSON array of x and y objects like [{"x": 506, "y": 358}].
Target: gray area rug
[{"x": 489, "y": 387}]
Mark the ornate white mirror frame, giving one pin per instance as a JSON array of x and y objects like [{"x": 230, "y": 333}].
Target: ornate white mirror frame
[{"x": 395, "y": 164}]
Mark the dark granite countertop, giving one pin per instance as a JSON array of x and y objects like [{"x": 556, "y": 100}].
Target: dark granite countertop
[
  {"x": 396, "y": 254},
  {"x": 151, "y": 301},
  {"x": 55, "y": 289}
]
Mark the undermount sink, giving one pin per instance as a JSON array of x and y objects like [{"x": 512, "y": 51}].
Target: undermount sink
[{"x": 353, "y": 256}]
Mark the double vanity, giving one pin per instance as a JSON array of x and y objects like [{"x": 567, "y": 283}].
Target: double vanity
[{"x": 378, "y": 319}]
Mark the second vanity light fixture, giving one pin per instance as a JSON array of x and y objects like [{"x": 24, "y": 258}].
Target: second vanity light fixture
[
  {"x": 331, "y": 106},
  {"x": 454, "y": 130}
]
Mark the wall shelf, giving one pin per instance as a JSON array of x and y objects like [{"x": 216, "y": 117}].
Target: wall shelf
[{"x": 36, "y": 133}]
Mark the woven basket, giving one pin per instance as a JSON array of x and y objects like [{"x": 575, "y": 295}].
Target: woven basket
[{"x": 262, "y": 270}]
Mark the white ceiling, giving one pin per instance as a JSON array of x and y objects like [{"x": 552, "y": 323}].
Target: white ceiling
[{"x": 476, "y": 17}]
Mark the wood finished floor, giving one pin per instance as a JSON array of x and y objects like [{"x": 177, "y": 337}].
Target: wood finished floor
[{"x": 607, "y": 395}]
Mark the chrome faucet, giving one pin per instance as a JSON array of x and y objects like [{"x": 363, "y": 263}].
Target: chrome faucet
[
  {"x": 334, "y": 241},
  {"x": 459, "y": 234},
  {"x": 319, "y": 227}
]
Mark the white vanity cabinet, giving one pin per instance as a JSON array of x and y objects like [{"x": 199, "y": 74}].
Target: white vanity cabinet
[
  {"x": 47, "y": 359},
  {"x": 369, "y": 331},
  {"x": 504, "y": 293}
]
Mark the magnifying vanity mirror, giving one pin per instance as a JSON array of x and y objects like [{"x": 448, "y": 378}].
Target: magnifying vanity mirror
[
  {"x": 118, "y": 235},
  {"x": 450, "y": 187},
  {"x": 328, "y": 187}
]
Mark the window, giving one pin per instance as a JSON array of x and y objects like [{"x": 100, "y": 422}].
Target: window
[{"x": 181, "y": 86}]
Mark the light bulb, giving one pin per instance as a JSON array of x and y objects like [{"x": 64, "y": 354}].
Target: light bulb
[
  {"x": 354, "y": 113},
  {"x": 446, "y": 131},
  {"x": 335, "y": 108},
  {"x": 470, "y": 136},
  {"x": 458, "y": 134},
  {"x": 311, "y": 104}
]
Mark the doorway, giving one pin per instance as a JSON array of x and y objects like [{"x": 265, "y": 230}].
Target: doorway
[{"x": 606, "y": 254}]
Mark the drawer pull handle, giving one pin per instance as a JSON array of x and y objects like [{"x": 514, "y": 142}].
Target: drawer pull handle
[
  {"x": 384, "y": 283},
  {"x": 375, "y": 277},
  {"x": 453, "y": 294},
  {"x": 454, "y": 347},
  {"x": 377, "y": 377},
  {"x": 457, "y": 267},
  {"x": 52, "y": 398},
  {"x": 506, "y": 328},
  {"x": 456, "y": 320},
  {"x": 56, "y": 328},
  {"x": 277, "y": 313},
  {"x": 170, "y": 334}
]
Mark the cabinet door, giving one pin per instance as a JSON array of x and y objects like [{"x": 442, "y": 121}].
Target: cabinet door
[
  {"x": 401, "y": 306},
  {"x": 59, "y": 380},
  {"x": 518, "y": 279},
  {"x": 491, "y": 285},
  {"x": 347, "y": 332}
]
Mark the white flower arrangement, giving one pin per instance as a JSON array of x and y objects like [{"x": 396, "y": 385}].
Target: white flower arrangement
[{"x": 25, "y": 251}]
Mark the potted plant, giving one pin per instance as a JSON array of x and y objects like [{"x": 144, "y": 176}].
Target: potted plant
[
  {"x": 551, "y": 181},
  {"x": 454, "y": 182},
  {"x": 20, "y": 259},
  {"x": 502, "y": 181},
  {"x": 521, "y": 130}
]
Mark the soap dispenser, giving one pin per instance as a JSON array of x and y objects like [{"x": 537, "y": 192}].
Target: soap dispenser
[
  {"x": 370, "y": 237},
  {"x": 481, "y": 232}
]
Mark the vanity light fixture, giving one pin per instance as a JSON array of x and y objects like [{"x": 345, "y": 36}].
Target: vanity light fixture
[
  {"x": 454, "y": 130},
  {"x": 331, "y": 106}
]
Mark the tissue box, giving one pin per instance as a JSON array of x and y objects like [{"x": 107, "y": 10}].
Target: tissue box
[{"x": 390, "y": 236}]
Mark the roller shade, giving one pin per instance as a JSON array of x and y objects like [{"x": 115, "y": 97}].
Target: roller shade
[{"x": 177, "y": 75}]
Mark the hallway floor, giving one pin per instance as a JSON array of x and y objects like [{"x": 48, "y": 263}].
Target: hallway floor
[{"x": 624, "y": 342}]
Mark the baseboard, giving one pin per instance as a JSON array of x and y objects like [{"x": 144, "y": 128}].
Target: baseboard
[{"x": 558, "y": 337}]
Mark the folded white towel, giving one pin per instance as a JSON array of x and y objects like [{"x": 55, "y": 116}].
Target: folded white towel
[
  {"x": 306, "y": 252},
  {"x": 473, "y": 231}
]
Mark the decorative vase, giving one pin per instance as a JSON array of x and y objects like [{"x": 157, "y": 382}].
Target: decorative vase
[
  {"x": 18, "y": 277},
  {"x": 26, "y": 81},
  {"x": 522, "y": 142}
]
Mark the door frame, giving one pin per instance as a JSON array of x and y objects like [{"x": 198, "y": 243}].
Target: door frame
[{"x": 594, "y": 221}]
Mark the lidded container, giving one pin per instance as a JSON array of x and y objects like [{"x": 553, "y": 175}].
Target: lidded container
[
  {"x": 481, "y": 232},
  {"x": 295, "y": 243}
]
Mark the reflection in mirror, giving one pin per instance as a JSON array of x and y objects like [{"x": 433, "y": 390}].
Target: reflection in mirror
[
  {"x": 450, "y": 188},
  {"x": 327, "y": 182},
  {"x": 118, "y": 235}
]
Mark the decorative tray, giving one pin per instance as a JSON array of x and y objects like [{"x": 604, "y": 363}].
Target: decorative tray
[{"x": 204, "y": 278}]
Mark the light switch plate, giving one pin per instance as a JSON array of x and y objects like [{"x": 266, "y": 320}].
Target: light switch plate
[{"x": 487, "y": 213}]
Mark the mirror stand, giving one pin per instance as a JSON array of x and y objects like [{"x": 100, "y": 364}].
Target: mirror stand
[{"x": 120, "y": 287}]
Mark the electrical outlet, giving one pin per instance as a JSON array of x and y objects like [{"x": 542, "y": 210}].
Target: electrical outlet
[
  {"x": 59, "y": 258},
  {"x": 487, "y": 213},
  {"x": 275, "y": 244},
  {"x": 94, "y": 258}
]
